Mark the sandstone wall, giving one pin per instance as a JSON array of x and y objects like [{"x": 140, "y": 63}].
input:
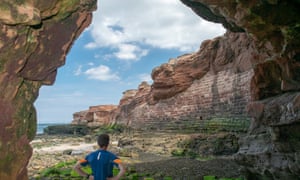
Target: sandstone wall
[
  {"x": 271, "y": 148},
  {"x": 208, "y": 89},
  {"x": 95, "y": 116},
  {"x": 221, "y": 98}
]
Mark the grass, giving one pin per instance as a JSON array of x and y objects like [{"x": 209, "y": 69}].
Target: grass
[
  {"x": 110, "y": 129},
  {"x": 227, "y": 124}
]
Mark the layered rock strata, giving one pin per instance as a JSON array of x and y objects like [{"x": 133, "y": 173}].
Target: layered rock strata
[
  {"x": 208, "y": 89},
  {"x": 271, "y": 148},
  {"x": 188, "y": 92},
  {"x": 95, "y": 116},
  {"x": 35, "y": 38},
  {"x": 263, "y": 68}
]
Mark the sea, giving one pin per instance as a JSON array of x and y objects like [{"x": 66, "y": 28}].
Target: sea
[{"x": 42, "y": 126}]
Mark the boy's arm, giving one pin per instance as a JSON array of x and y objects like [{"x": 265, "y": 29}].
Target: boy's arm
[
  {"x": 121, "y": 172},
  {"x": 79, "y": 170}
]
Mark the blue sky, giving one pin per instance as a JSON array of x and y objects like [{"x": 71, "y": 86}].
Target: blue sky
[{"x": 118, "y": 51}]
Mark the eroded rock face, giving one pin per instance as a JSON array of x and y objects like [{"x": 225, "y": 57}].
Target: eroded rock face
[
  {"x": 273, "y": 24},
  {"x": 95, "y": 116},
  {"x": 35, "y": 38},
  {"x": 271, "y": 149},
  {"x": 195, "y": 91},
  {"x": 233, "y": 52}
]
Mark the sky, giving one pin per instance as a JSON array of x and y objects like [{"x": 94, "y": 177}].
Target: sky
[{"x": 125, "y": 41}]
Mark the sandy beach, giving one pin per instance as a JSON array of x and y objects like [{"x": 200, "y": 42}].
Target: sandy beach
[
  {"x": 83, "y": 147},
  {"x": 50, "y": 150}
]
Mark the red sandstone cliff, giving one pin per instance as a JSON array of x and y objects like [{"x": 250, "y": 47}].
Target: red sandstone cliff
[
  {"x": 34, "y": 40},
  {"x": 253, "y": 69},
  {"x": 95, "y": 115},
  {"x": 191, "y": 89},
  {"x": 268, "y": 151},
  {"x": 213, "y": 83}
]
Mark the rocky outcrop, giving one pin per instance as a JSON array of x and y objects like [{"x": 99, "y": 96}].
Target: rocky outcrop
[
  {"x": 196, "y": 91},
  {"x": 95, "y": 116},
  {"x": 276, "y": 34},
  {"x": 208, "y": 89},
  {"x": 233, "y": 53},
  {"x": 255, "y": 63},
  {"x": 67, "y": 129},
  {"x": 103, "y": 115},
  {"x": 34, "y": 40},
  {"x": 271, "y": 148}
]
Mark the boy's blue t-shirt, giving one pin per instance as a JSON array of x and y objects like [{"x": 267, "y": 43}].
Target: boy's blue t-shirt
[{"x": 101, "y": 162}]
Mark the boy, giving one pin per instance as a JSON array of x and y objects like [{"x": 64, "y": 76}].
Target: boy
[{"x": 101, "y": 162}]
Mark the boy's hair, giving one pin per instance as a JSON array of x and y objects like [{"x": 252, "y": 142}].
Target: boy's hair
[{"x": 103, "y": 140}]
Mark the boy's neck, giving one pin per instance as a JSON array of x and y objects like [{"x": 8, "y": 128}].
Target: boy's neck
[{"x": 103, "y": 148}]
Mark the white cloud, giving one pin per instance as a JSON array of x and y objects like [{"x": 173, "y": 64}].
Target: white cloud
[
  {"x": 91, "y": 45},
  {"x": 91, "y": 64},
  {"x": 162, "y": 24},
  {"x": 102, "y": 73},
  {"x": 130, "y": 52}
]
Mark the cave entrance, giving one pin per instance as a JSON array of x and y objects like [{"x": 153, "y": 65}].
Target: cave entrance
[{"x": 118, "y": 51}]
